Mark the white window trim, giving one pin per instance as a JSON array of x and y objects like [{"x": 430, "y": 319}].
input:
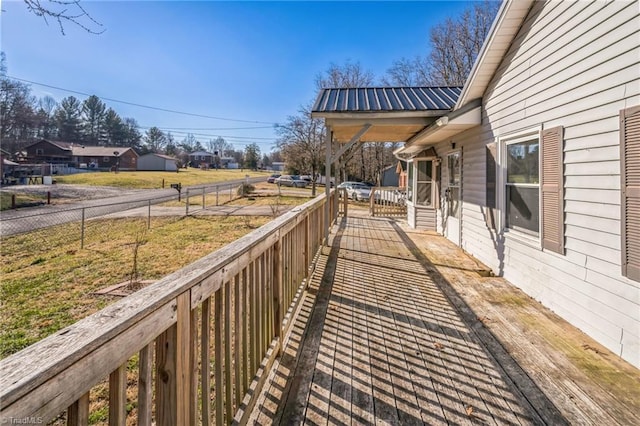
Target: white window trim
[{"x": 503, "y": 141}]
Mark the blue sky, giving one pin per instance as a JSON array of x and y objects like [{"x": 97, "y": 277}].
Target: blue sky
[{"x": 251, "y": 61}]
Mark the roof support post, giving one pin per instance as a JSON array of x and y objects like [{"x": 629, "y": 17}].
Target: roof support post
[
  {"x": 352, "y": 142},
  {"x": 327, "y": 184}
]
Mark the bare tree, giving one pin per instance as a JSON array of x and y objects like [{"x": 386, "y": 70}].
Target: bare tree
[
  {"x": 454, "y": 45},
  {"x": 348, "y": 75},
  {"x": 301, "y": 142},
  {"x": 406, "y": 72},
  {"x": 64, "y": 12}
]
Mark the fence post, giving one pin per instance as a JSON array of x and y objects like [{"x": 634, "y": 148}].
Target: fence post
[
  {"x": 13, "y": 201},
  {"x": 372, "y": 206},
  {"x": 82, "y": 230},
  {"x": 230, "y": 192},
  {"x": 203, "y": 198},
  {"x": 217, "y": 194},
  {"x": 186, "y": 203},
  {"x": 149, "y": 216}
]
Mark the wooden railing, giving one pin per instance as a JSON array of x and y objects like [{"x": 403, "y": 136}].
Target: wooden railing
[
  {"x": 193, "y": 348},
  {"x": 388, "y": 202}
]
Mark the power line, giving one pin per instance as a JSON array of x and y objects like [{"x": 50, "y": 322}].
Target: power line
[
  {"x": 209, "y": 135},
  {"x": 206, "y": 128},
  {"x": 140, "y": 105}
]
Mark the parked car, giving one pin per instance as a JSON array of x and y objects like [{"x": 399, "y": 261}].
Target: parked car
[
  {"x": 291, "y": 180},
  {"x": 359, "y": 192},
  {"x": 272, "y": 178},
  {"x": 356, "y": 190}
]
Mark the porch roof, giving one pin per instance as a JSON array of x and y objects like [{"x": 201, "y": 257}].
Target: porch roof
[{"x": 393, "y": 114}]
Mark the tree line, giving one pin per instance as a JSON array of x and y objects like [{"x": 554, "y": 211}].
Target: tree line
[{"x": 24, "y": 119}]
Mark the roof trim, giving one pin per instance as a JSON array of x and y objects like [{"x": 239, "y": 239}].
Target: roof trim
[
  {"x": 509, "y": 19},
  {"x": 359, "y": 100},
  {"x": 446, "y": 126}
]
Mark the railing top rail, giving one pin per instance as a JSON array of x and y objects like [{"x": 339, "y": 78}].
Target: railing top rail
[{"x": 35, "y": 365}]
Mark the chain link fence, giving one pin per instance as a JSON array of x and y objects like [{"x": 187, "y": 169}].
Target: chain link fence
[{"x": 94, "y": 224}]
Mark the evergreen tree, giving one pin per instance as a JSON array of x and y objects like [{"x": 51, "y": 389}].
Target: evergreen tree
[
  {"x": 93, "y": 120},
  {"x": 68, "y": 120},
  {"x": 114, "y": 129},
  {"x": 251, "y": 156}
]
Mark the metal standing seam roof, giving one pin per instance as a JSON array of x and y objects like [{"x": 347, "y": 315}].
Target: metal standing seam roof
[{"x": 376, "y": 99}]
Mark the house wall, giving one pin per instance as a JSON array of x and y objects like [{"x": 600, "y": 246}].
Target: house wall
[
  {"x": 389, "y": 177},
  {"x": 573, "y": 64},
  {"x": 421, "y": 218},
  {"x": 153, "y": 162},
  {"x": 50, "y": 153},
  {"x": 127, "y": 161}
]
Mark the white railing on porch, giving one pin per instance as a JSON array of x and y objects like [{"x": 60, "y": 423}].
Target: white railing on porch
[
  {"x": 388, "y": 202},
  {"x": 193, "y": 348}
]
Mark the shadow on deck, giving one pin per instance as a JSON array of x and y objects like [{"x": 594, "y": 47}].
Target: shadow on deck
[{"x": 384, "y": 336}]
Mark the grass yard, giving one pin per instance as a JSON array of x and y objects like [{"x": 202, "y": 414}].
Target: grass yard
[
  {"x": 153, "y": 180},
  {"x": 47, "y": 281},
  {"x": 21, "y": 199}
]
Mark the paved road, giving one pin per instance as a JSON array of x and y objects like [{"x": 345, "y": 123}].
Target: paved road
[{"x": 24, "y": 220}]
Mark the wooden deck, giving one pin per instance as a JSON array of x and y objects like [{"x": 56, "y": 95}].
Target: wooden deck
[{"x": 384, "y": 335}]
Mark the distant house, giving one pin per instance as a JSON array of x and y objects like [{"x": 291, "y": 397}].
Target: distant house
[
  {"x": 277, "y": 166},
  {"x": 157, "y": 162},
  {"x": 394, "y": 175},
  {"x": 103, "y": 157},
  {"x": 78, "y": 155},
  {"x": 228, "y": 163},
  {"x": 204, "y": 159},
  {"x": 46, "y": 151}
]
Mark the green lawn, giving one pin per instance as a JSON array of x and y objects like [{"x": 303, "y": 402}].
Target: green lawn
[{"x": 149, "y": 180}]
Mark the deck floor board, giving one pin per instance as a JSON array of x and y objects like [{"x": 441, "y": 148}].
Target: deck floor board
[{"x": 380, "y": 340}]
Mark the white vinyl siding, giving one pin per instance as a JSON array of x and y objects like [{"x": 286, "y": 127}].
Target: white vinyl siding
[{"x": 573, "y": 64}]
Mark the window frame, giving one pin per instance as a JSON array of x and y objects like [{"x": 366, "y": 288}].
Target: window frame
[
  {"x": 412, "y": 181},
  {"x": 504, "y": 141}
]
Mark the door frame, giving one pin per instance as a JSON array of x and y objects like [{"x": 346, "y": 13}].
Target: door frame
[{"x": 457, "y": 237}]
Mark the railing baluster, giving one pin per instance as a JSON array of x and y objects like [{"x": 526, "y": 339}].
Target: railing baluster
[
  {"x": 145, "y": 390},
  {"x": 238, "y": 340},
  {"x": 118, "y": 396},
  {"x": 218, "y": 357},
  {"x": 193, "y": 365},
  {"x": 263, "y": 304},
  {"x": 246, "y": 321},
  {"x": 252, "y": 320},
  {"x": 227, "y": 352},
  {"x": 278, "y": 309},
  {"x": 205, "y": 363},
  {"x": 78, "y": 412}
]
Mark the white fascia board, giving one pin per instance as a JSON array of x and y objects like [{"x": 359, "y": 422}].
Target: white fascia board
[{"x": 444, "y": 128}]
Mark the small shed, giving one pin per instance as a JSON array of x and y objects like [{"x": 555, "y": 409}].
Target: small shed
[
  {"x": 157, "y": 162},
  {"x": 394, "y": 175}
]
